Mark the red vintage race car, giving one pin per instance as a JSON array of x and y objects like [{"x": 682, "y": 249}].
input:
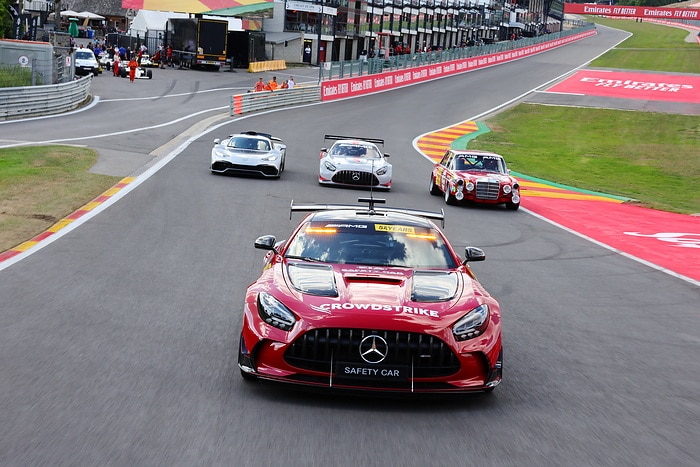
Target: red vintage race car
[
  {"x": 474, "y": 176},
  {"x": 370, "y": 298}
]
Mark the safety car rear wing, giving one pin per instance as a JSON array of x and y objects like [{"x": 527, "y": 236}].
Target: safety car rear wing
[
  {"x": 369, "y": 210},
  {"x": 369, "y": 140}
]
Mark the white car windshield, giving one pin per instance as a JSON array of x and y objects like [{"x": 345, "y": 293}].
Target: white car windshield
[
  {"x": 243, "y": 142},
  {"x": 354, "y": 150},
  {"x": 83, "y": 55}
]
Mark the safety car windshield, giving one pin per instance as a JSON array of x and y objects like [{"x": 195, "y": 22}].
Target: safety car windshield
[{"x": 370, "y": 243}]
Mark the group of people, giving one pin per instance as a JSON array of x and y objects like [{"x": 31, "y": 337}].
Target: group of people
[{"x": 273, "y": 85}]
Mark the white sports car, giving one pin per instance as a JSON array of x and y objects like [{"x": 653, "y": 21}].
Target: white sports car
[
  {"x": 356, "y": 162},
  {"x": 250, "y": 153}
]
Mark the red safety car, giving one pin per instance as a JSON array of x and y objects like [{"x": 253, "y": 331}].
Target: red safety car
[
  {"x": 474, "y": 176},
  {"x": 370, "y": 298}
]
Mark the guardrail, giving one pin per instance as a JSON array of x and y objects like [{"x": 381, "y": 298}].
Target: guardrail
[
  {"x": 36, "y": 101},
  {"x": 371, "y": 66},
  {"x": 262, "y": 100}
]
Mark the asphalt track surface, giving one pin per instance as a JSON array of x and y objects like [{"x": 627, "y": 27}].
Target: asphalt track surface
[{"x": 119, "y": 338}]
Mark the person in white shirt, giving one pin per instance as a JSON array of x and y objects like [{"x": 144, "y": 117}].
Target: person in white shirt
[{"x": 290, "y": 82}]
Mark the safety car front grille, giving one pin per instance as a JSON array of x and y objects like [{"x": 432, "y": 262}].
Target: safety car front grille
[
  {"x": 319, "y": 349},
  {"x": 355, "y": 177},
  {"x": 487, "y": 189}
]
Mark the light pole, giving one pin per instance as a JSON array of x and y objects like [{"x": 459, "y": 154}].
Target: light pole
[{"x": 319, "y": 25}]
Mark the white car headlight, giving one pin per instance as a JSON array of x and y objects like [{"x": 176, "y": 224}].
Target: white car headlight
[
  {"x": 271, "y": 157},
  {"x": 382, "y": 170},
  {"x": 473, "y": 324},
  {"x": 507, "y": 189},
  {"x": 274, "y": 313},
  {"x": 329, "y": 166}
]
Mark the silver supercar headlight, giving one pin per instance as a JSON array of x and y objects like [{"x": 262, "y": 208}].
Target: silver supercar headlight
[
  {"x": 473, "y": 324},
  {"x": 271, "y": 157},
  {"x": 382, "y": 171},
  {"x": 274, "y": 313},
  {"x": 329, "y": 166}
]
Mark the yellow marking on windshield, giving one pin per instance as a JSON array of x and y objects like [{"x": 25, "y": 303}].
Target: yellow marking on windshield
[
  {"x": 321, "y": 230},
  {"x": 430, "y": 237},
  {"x": 407, "y": 229}
]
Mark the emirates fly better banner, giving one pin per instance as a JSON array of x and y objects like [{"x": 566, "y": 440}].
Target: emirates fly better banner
[{"x": 633, "y": 11}]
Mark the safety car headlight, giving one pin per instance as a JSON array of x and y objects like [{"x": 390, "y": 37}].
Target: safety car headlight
[
  {"x": 473, "y": 324},
  {"x": 219, "y": 153},
  {"x": 274, "y": 313},
  {"x": 271, "y": 157},
  {"x": 382, "y": 170},
  {"x": 507, "y": 189},
  {"x": 330, "y": 166},
  {"x": 469, "y": 186}
]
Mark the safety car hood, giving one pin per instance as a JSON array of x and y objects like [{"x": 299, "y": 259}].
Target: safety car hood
[{"x": 378, "y": 294}]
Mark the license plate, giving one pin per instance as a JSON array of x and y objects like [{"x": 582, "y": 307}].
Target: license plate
[{"x": 359, "y": 371}]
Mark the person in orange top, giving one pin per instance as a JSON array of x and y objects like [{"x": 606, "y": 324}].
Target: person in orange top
[
  {"x": 272, "y": 85},
  {"x": 133, "y": 65}
]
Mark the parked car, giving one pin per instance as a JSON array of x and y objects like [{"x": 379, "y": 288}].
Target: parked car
[{"x": 86, "y": 63}]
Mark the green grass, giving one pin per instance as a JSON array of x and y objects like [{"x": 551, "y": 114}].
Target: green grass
[
  {"x": 652, "y": 47},
  {"x": 40, "y": 185},
  {"x": 650, "y": 157}
]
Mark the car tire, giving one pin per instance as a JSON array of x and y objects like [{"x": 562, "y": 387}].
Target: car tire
[
  {"x": 433, "y": 188},
  {"x": 149, "y": 73},
  {"x": 512, "y": 206},
  {"x": 449, "y": 198},
  {"x": 122, "y": 72}
]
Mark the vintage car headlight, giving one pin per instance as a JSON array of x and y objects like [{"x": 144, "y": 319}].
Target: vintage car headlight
[
  {"x": 469, "y": 186},
  {"x": 382, "y": 170},
  {"x": 329, "y": 166},
  {"x": 274, "y": 313},
  {"x": 473, "y": 324},
  {"x": 507, "y": 189}
]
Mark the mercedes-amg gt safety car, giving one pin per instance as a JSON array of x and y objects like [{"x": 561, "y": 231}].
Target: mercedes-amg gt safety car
[
  {"x": 356, "y": 162},
  {"x": 370, "y": 298},
  {"x": 251, "y": 153},
  {"x": 474, "y": 176}
]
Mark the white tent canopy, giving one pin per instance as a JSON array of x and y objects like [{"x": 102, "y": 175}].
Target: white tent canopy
[
  {"x": 71, "y": 13},
  {"x": 89, "y": 15}
]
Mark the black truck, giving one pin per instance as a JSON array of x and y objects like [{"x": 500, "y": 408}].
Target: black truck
[
  {"x": 245, "y": 47},
  {"x": 198, "y": 42}
]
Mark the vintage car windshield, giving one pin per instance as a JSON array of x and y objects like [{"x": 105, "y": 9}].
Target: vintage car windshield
[
  {"x": 484, "y": 163},
  {"x": 242, "y": 142},
  {"x": 371, "y": 243},
  {"x": 354, "y": 150}
]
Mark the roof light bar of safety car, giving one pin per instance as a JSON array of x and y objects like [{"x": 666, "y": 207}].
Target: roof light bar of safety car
[
  {"x": 369, "y": 140},
  {"x": 370, "y": 210}
]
